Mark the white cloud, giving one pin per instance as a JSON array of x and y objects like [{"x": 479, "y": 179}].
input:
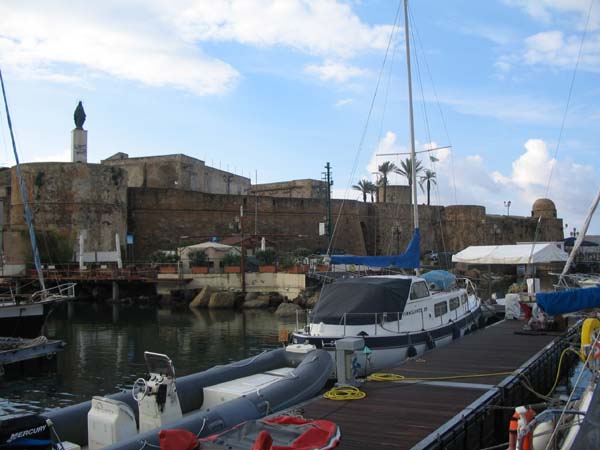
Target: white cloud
[
  {"x": 335, "y": 71},
  {"x": 47, "y": 41},
  {"x": 343, "y": 102},
  {"x": 547, "y": 11},
  {"x": 555, "y": 49},
  {"x": 326, "y": 27},
  {"x": 158, "y": 42}
]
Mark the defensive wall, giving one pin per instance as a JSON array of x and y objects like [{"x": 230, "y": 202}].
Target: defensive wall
[
  {"x": 66, "y": 198},
  {"x": 94, "y": 199},
  {"x": 162, "y": 218}
]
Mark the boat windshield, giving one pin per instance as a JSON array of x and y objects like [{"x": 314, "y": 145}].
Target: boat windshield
[{"x": 360, "y": 299}]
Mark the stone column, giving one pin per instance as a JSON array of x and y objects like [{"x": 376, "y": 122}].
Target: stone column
[{"x": 79, "y": 145}]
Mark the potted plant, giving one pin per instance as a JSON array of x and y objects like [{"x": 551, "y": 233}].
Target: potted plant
[
  {"x": 266, "y": 260},
  {"x": 231, "y": 263},
  {"x": 301, "y": 254},
  {"x": 166, "y": 261},
  {"x": 198, "y": 262}
]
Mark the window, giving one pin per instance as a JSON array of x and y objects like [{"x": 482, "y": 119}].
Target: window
[
  {"x": 440, "y": 309},
  {"x": 454, "y": 303},
  {"x": 419, "y": 290}
]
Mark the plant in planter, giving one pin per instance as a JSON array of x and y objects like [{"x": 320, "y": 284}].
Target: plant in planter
[
  {"x": 287, "y": 263},
  {"x": 166, "y": 261},
  {"x": 266, "y": 260},
  {"x": 231, "y": 263},
  {"x": 198, "y": 262}
]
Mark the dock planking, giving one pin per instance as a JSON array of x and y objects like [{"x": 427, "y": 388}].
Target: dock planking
[{"x": 399, "y": 415}]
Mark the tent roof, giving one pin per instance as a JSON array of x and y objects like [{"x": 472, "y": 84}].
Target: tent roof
[
  {"x": 510, "y": 254},
  {"x": 205, "y": 245}
]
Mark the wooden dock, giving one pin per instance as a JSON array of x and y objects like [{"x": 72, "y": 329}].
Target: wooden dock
[
  {"x": 459, "y": 413},
  {"x": 20, "y": 350}
]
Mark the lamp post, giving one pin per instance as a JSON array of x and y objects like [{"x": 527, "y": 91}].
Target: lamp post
[{"x": 507, "y": 206}]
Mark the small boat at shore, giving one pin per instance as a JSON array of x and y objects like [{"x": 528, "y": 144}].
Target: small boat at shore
[{"x": 204, "y": 403}]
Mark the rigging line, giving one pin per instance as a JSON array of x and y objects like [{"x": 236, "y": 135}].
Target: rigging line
[
  {"x": 427, "y": 127},
  {"x": 386, "y": 96},
  {"x": 365, "y": 128},
  {"x": 443, "y": 118},
  {"x": 564, "y": 118}
]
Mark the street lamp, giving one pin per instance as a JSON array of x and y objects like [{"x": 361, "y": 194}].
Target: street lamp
[{"x": 507, "y": 206}]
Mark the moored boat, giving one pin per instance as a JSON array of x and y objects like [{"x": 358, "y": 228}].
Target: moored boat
[
  {"x": 397, "y": 316},
  {"x": 203, "y": 403}
]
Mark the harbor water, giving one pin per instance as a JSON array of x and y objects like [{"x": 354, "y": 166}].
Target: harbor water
[{"x": 106, "y": 344}]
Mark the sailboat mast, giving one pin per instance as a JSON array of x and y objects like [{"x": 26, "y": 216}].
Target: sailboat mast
[
  {"x": 36, "y": 254},
  {"x": 413, "y": 174}
]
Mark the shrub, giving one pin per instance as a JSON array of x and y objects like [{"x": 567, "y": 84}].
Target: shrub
[
  {"x": 287, "y": 262},
  {"x": 266, "y": 257},
  {"x": 198, "y": 258},
  {"x": 231, "y": 260},
  {"x": 164, "y": 257}
]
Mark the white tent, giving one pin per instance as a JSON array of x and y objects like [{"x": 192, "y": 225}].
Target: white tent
[{"x": 511, "y": 254}]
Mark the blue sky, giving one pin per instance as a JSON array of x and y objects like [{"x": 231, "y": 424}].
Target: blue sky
[{"x": 279, "y": 88}]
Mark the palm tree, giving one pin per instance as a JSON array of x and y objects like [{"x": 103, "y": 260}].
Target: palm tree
[
  {"x": 405, "y": 169},
  {"x": 364, "y": 187},
  {"x": 384, "y": 170},
  {"x": 372, "y": 189},
  {"x": 429, "y": 178}
]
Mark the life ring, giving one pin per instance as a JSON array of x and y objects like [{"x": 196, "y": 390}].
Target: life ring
[{"x": 587, "y": 335}]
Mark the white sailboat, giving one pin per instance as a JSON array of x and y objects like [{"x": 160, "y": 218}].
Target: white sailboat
[
  {"x": 24, "y": 315},
  {"x": 397, "y": 316}
]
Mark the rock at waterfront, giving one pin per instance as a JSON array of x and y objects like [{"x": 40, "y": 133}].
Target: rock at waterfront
[
  {"x": 251, "y": 296},
  {"x": 222, "y": 300},
  {"x": 201, "y": 300},
  {"x": 260, "y": 301},
  {"x": 276, "y": 299},
  {"x": 287, "y": 309}
]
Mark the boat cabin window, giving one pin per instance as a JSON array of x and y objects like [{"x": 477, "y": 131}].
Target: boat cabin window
[
  {"x": 454, "y": 303},
  {"x": 419, "y": 290},
  {"x": 440, "y": 308}
]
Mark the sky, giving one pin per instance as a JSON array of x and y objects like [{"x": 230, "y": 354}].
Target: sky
[{"x": 275, "y": 89}]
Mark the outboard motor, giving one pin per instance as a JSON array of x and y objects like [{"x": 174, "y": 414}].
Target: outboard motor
[
  {"x": 157, "y": 398},
  {"x": 25, "y": 432}
]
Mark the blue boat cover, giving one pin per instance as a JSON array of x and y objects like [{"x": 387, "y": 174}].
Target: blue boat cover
[
  {"x": 441, "y": 279},
  {"x": 410, "y": 259},
  {"x": 571, "y": 300}
]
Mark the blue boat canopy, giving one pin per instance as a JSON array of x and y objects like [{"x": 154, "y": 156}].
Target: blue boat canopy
[
  {"x": 554, "y": 303},
  {"x": 440, "y": 279},
  {"x": 410, "y": 259}
]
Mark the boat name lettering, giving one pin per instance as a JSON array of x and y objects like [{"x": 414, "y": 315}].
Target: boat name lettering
[{"x": 24, "y": 433}]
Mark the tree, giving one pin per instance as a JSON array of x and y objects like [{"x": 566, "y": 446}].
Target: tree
[
  {"x": 372, "y": 189},
  {"x": 429, "y": 178},
  {"x": 364, "y": 187},
  {"x": 405, "y": 169},
  {"x": 384, "y": 169}
]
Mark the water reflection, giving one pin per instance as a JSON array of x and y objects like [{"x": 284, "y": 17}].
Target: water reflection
[{"x": 106, "y": 343}]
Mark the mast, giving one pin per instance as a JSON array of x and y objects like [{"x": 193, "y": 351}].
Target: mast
[
  {"x": 36, "y": 254},
  {"x": 413, "y": 174},
  {"x": 581, "y": 236}
]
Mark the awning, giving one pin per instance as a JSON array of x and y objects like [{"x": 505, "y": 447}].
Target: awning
[{"x": 511, "y": 254}]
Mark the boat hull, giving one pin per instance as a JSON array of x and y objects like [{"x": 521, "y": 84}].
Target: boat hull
[
  {"x": 25, "y": 320},
  {"x": 390, "y": 350},
  {"x": 310, "y": 375}
]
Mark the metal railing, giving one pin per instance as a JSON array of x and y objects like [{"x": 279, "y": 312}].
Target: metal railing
[{"x": 65, "y": 290}]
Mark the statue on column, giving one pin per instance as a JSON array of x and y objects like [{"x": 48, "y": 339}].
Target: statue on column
[{"x": 79, "y": 116}]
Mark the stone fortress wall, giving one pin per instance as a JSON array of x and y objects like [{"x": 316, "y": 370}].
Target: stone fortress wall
[{"x": 104, "y": 199}]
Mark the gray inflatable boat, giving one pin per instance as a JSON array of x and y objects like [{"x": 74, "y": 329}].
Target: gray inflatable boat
[{"x": 203, "y": 403}]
